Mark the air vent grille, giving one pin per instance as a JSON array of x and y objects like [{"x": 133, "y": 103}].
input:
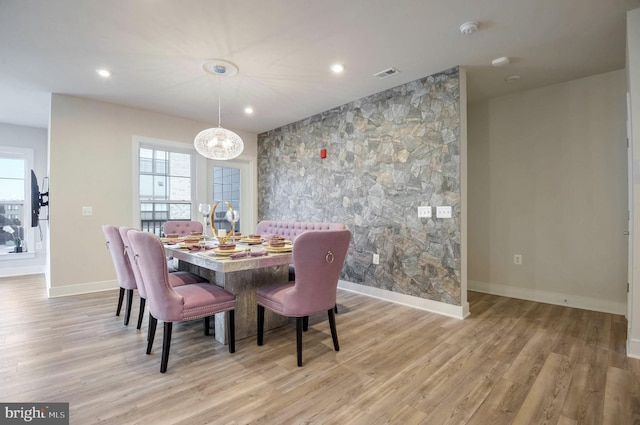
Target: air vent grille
[{"x": 386, "y": 73}]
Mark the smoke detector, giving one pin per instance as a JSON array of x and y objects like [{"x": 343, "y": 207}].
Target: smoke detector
[{"x": 468, "y": 28}]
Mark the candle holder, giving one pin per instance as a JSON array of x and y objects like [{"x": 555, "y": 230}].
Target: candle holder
[{"x": 221, "y": 238}]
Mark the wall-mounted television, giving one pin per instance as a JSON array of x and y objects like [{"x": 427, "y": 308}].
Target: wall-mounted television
[{"x": 37, "y": 200}]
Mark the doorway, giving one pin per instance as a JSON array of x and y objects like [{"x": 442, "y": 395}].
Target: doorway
[{"x": 232, "y": 181}]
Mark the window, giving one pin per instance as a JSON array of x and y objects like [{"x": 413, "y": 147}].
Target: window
[
  {"x": 226, "y": 187},
  {"x": 15, "y": 205},
  {"x": 165, "y": 186}
]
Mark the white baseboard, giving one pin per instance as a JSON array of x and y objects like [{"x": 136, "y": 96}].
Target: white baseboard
[
  {"x": 82, "y": 288},
  {"x": 633, "y": 348},
  {"x": 21, "y": 271},
  {"x": 455, "y": 311},
  {"x": 557, "y": 298}
]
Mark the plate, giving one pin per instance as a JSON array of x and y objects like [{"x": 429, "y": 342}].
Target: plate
[
  {"x": 285, "y": 248},
  {"x": 251, "y": 241},
  {"x": 188, "y": 244},
  {"x": 286, "y": 242},
  {"x": 170, "y": 240},
  {"x": 226, "y": 253}
]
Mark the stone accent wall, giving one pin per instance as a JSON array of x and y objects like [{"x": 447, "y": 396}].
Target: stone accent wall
[{"x": 387, "y": 154}]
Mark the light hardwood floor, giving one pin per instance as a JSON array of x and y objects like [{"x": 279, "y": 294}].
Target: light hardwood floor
[{"x": 510, "y": 362}]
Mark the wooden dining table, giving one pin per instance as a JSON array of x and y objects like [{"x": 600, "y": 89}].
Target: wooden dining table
[{"x": 241, "y": 277}]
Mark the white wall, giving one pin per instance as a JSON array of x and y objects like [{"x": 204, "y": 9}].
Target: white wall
[
  {"x": 547, "y": 180},
  {"x": 91, "y": 165},
  {"x": 36, "y": 139},
  {"x": 633, "y": 73}
]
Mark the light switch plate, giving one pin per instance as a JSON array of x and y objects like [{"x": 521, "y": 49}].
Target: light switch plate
[
  {"x": 424, "y": 212},
  {"x": 443, "y": 212}
]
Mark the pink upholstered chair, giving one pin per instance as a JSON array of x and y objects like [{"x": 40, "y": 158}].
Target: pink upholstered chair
[
  {"x": 169, "y": 304},
  {"x": 124, "y": 272},
  {"x": 175, "y": 278},
  {"x": 291, "y": 230},
  {"x": 318, "y": 257},
  {"x": 182, "y": 228}
]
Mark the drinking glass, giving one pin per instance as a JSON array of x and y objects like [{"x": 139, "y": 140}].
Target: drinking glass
[{"x": 205, "y": 210}]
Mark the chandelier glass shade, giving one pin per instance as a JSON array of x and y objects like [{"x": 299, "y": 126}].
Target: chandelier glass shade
[{"x": 219, "y": 143}]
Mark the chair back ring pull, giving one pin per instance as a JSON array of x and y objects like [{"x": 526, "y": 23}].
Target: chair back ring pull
[{"x": 329, "y": 257}]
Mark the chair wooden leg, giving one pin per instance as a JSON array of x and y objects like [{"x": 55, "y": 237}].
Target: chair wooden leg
[
  {"x": 260, "y": 332},
  {"x": 153, "y": 322},
  {"x": 231, "y": 329},
  {"x": 127, "y": 313},
  {"x": 334, "y": 333},
  {"x": 299, "y": 324},
  {"x": 120, "y": 298},
  {"x": 207, "y": 326},
  {"x": 305, "y": 324},
  {"x": 166, "y": 346},
  {"x": 141, "y": 312}
]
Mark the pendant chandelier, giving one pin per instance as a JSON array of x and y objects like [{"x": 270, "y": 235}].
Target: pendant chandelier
[{"x": 219, "y": 143}]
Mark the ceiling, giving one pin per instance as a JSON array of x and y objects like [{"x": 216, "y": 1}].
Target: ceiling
[{"x": 283, "y": 49}]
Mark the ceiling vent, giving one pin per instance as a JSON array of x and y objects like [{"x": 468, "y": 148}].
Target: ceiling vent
[{"x": 386, "y": 73}]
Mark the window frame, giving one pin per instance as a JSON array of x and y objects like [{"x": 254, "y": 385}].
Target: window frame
[
  {"x": 27, "y": 154},
  {"x": 248, "y": 192},
  {"x": 140, "y": 142}
]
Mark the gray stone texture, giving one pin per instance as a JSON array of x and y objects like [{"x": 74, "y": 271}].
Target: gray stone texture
[{"x": 387, "y": 154}]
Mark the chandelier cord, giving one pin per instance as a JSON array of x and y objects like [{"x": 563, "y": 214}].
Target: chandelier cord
[{"x": 219, "y": 104}]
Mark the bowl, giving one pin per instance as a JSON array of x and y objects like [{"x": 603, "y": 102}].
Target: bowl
[
  {"x": 254, "y": 237},
  {"x": 189, "y": 240},
  {"x": 276, "y": 243},
  {"x": 172, "y": 236},
  {"x": 227, "y": 246},
  {"x": 196, "y": 234}
]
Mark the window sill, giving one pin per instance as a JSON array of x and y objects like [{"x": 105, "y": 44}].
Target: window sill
[{"x": 8, "y": 256}]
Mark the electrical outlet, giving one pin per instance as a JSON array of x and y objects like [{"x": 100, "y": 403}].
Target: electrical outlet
[
  {"x": 87, "y": 210},
  {"x": 38, "y": 245},
  {"x": 376, "y": 259},
  {"x": 517, "y": 259},
  {"x": 424, "y": 212},
  {"x": 443, "y": 212}
]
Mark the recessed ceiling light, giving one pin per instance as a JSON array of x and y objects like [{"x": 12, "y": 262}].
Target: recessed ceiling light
[
  {"x": 248, "y": 110},
  {"x": 337, "y": 68},
  {"x": 104, "y": 73},
  {"x": 512, "y": 78},
  {"x": 468, "y": 28}
]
